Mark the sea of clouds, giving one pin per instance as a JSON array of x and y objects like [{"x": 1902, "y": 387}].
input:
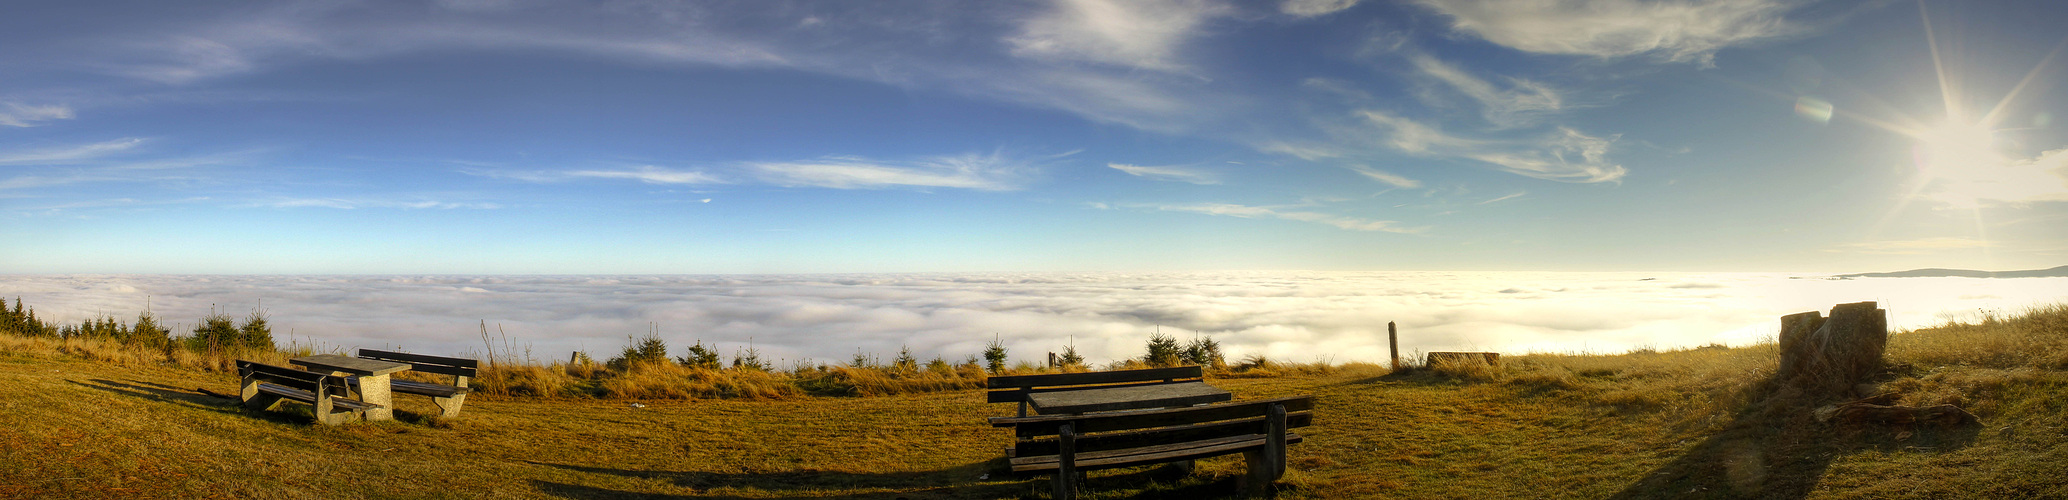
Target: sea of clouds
[{"x": 1291, "y": 316}]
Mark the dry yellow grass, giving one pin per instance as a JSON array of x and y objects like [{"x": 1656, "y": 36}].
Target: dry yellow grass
[{"x": 1677, "y": 424}]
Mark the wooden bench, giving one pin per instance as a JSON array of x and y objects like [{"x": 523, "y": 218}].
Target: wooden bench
[
  {"x": 449, "y": 398},
  {"x": 265, "y": 385},
  {"x": 1017, "y": 388},
  {"x": 1066, "y": 445}
]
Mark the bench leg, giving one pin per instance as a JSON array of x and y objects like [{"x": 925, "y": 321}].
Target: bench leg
[
  {"x": 254, "y": 399},
  {"x": 1066, "y": 463},
  {"x": 449, "y": 407},
  {"x": 375, "y": 389},
  {"x": 1258, "y": 480}
]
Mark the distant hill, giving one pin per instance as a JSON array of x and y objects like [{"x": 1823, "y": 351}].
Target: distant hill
[{"x": 2058, "y": 272}]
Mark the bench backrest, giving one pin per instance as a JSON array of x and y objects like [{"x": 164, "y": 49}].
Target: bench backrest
[
  {"x": 462, "y": 367},
  {"x": 1015, "y": 388},
  {"x": 319, "y": 383},
  {"x": 1113, "y": 431}
]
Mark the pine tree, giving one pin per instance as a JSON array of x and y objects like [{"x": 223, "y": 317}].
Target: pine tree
[
  {"x": 148, "y": 333},
  {"x": 700, "y": 357},
  {"x": 905, "y": 361},
  {"x": 994, "y": 355},
  {"x": 1163, "y": 351},
  {"x": 1070, "y": 357},
  {"x": 1204, "y": 351},
  {"x": 255, "y": 333},
  {"x": 214, "y": 333}
]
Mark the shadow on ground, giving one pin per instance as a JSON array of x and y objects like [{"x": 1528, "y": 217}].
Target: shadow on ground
[
  {"x": 1776, "y": 449},
  {"x": 162, "y": 393},
  {"x": 956, "y": 482}
]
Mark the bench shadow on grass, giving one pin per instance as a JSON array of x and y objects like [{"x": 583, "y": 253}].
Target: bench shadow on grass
[
  {"x": 913, "y": 485},
  {"x": 186, "y": 397},
  {"x": 1774, "y": 448}
]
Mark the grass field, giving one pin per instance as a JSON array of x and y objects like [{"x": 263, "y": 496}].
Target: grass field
[{"x": 1685, "y": 424}]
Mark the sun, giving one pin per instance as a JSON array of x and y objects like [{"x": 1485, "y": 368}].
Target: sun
[{"x": 1959, "y": 163}]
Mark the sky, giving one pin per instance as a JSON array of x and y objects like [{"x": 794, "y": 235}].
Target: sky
[{"x": 625, "y": 137}]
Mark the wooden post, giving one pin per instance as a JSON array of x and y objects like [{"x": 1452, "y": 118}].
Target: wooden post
[
  {"x": 1393, "y": 343},
  {"x": 1066, "y": 463}
]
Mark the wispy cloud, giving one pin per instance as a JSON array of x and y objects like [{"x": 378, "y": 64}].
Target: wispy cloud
[
  {"x": 1312, "y": 8},
  {"x": 917, "y": 46},
  {"x": 992, "y": 172},
  {"x": 1168, "y": 173},
  {"x": 14, "y": 114},
  {"x": 1673, "y": 30},
  {"x": 1517, "y": 105},
  {"x": 1565, "y": 155},
  {"x": 65, "y": 155},
  {"x": 646, "y": 173},
  {"x": 1383, "y": 176},
  {"x": 1144, "y": 34},
  {"x": 1257, "y": 212},
  {"x": 358, "y": 203},
  {"x": 1518, "y": 194}
]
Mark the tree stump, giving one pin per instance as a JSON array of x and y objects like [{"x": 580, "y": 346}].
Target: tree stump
[{"x": 1828, "y": 356}]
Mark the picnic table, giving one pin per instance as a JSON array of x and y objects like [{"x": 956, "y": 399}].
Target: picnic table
[
  {"x": 1135, "y": 397},
  {"x": 374, "y": 385}
]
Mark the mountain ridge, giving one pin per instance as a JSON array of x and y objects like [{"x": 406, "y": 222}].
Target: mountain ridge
[{"x": 1936, "y": 272}]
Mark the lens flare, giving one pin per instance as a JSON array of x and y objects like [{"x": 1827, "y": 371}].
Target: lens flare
[{"x": 1813, "y": 109}]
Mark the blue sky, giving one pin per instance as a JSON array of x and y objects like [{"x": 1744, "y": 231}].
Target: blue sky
[{"x": 777, "y": 137}]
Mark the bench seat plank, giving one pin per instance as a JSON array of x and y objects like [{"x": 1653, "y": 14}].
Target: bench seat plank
[
  {"x": 1039, "y": 465},
  {"x": 423, "y": 388},
  {"x": 1099, "y": 399},
  {"x": 1146, "y": 437},
  {"x": 310, "y": 397}
]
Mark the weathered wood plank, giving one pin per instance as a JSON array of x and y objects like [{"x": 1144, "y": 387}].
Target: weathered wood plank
[
  {"x": 1032, "y": 466},
  {"x": 419, "y": 358},
  {"x": 428, "y": 389},
  {"x": 1016, "y": 395},
  {"x": 1101, "y": 422},
  {"x": 351, "y": 365},
  {"x": 1252, "y": 426},
  {"x": 1090, "y": 378},
  {"x": 310, "y": 398},
  {"x": 1127, "y": 398}
]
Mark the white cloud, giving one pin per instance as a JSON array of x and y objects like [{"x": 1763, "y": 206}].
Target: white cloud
[
  {"x": 14, "y": 114},
  {"x": 1256, "y": 212},
  {"x": 991, "y": 172},
  {"x": 917, "y": 46},
  {"x": 647, "y": 173},
  {"x": 68, "y": 154},
  {"x": 1674, "y": 30},
  {"x": 1566, "y": 155},
  {"x": 1518, "y": 194},
  {"x": 1517, "y": 105},
  {"x": 1312, "y": 8},
  {"x": 357, "y": 203},
  {"x": 1966, "y": 185},
  {"x": 1293, "y": 316},
  {"x": 1385, "y": 177},
  {"x": 1141, "y": 34},
  {"x": 1168, "y": 173}
]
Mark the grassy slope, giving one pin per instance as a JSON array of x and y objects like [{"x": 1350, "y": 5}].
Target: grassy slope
[{"x": 1689, "y": 424}]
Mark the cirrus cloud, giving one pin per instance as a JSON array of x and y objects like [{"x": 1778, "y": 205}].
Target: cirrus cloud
[{"x": 1674, "y": 30}]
